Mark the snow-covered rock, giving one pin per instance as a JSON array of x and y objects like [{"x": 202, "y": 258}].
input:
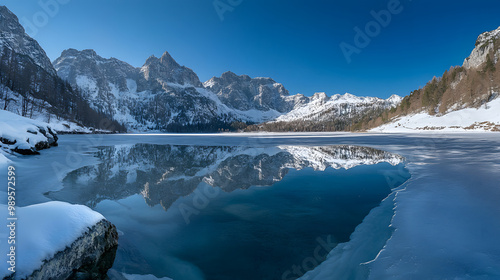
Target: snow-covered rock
[
  {"x": 57, "y": 240},
  {"x": 24, "y": 136}
]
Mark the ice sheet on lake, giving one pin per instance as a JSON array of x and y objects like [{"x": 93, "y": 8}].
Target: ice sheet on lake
[{"x": 445, "y": 221}]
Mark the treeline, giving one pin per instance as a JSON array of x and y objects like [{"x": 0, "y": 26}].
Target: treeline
[
  {"x": 326, "y": 123},
  {"x": 209, "y": 127},
  {"x": 300, "y": 126},
  {"x": 33, "y": 83}
]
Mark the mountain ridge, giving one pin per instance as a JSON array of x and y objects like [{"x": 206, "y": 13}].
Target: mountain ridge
[
  {"x": 30, "y": 87},
  {"x": 239, "y": 99}
]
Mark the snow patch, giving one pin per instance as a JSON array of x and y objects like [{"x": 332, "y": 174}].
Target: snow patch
[{"x": 485, "y": 118}]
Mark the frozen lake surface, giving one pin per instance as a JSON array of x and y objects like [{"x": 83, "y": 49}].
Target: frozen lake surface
[{"x": 268, "y": 206}]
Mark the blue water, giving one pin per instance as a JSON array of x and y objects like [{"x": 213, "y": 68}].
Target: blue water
[{"x": 189, "y": 213}]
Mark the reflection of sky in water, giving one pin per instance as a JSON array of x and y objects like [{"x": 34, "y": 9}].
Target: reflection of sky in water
[{"x": 237, "y": 231}]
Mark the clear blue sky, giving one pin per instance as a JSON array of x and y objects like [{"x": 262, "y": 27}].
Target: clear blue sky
[{"x": 294, "y": 42}]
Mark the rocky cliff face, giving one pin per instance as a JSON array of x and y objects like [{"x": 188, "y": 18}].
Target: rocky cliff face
[
  {"x": 166, "y": 70},
  {"x": 486, "y": 43},
  {"x": 244, "y": 93},
  {"x": 13, "y": 36}
]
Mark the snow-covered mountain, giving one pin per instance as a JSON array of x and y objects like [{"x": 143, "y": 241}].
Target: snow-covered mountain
[
  {"x": 13, "y": 37},
  {"x": 30, "y": 87},
  {"x": 244, "y": 93},
  {"x": 322, "y": 108},
  {"x": 161, "y": 95}
]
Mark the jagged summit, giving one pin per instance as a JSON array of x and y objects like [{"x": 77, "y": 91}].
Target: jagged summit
[
  {"x": 9, "y": 21},
  {"x": 166, "y": 70},
  {"x": 167, "y": 60},
  {"x": 488, "y": 36},
  {"x": 319, "y": 96},
  {"x": 245, "y": 93},
  {"x": 486, "y": 43}
]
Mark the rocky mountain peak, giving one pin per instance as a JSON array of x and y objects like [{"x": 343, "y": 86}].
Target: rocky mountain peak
[
  {"x": 167, "y": 60},
  {"x": 167, "y": 70},
  {"x": 9, "y": 21},
  {"x": 486, "y": 43},
  {"x": 488, "y": 37},
  {"x": 319, "y": 96},
  {"x": 13, "y": 37},
  {"x": 244, "y": 93},
  {"x": 151, "y": 59},
  {"x": 229, "y": 76},
  {"x": 69, "y": 52},
  {"x": 396, "y": 99}
]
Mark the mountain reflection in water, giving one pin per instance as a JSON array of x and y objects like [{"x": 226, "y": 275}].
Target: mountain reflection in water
[{"x": 163, "y": 173}]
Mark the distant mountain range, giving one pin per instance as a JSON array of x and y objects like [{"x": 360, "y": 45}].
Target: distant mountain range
[
  {"x": 163, "y": 95},
  {"x": 82, "y": 89}
]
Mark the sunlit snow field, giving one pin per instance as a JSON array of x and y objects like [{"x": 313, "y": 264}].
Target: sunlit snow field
[{"x": 267, "y": 206}]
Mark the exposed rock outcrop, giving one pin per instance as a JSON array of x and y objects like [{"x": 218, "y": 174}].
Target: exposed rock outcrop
[{"x": 89, "y": 257}]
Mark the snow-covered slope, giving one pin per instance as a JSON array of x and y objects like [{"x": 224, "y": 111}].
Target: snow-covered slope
[
  {"x": 42, "y": 113},
  {"x": 470, "y": 101},
  {"x": 23, "y": 135},
  {"x": 320, "y": 107},
  {"x": 485, "y": 118}
]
